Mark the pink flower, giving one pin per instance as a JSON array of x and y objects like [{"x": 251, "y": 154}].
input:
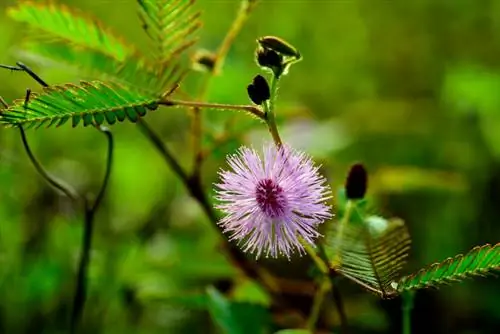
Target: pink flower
[{"x": 272, "y": 205}]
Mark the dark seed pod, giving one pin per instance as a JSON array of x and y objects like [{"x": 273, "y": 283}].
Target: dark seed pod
[
  {"x": 279, "y": 45},
  {"x": 357, "y": 182},
  {"x": 258, "y": 90}
]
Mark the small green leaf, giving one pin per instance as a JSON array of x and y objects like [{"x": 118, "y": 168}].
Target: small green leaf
[{"x": 480, "y": 261}]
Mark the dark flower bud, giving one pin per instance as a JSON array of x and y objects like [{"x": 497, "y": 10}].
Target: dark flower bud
[
  {"x": 357, "y": 182},
  {"x": 279, "y": 45},
  {"x": 269, "y": 58},
  {"x": 203, "y": 60},
  {"x": 258, "y": 90}
]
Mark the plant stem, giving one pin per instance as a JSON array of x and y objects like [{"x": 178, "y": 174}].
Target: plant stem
[
  {"x": 197, "y": 128},
  {"x": 407, "y": 307},
  {"x": 88, "y": 229},
  {"x": 340, "y": 232},
  {"x": 164, "y": 151},
  {"x": 339, "y": 303},
  {"x": 319, "y": 297},
  {"x": 318, "y": 261},
  {"x": 59, "y": 185},
  {"x": 270, "y": 112},
  {"x": 194, "y": 186},
  {"x": 255, "y": 111}
]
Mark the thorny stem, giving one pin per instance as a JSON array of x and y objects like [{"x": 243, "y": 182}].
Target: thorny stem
[
  {"x": 90, "y": 210},
  {"x": 255, "y": 111},
  {"x": 244, "y": 11},
  {"x": 59, "y": 185}
]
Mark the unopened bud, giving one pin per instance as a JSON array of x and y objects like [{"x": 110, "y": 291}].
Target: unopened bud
[
  {"x": 357, "y": 182},
  {"x": 279, "y": 45},
  {"x": 258, "y": 90}
]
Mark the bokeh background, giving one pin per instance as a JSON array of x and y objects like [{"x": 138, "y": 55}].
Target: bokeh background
[{"x": 409, "y": 87}]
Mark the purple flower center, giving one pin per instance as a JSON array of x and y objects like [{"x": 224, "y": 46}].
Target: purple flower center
[{"x": 270, "y": 198}]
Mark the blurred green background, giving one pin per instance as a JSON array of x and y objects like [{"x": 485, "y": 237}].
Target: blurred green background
[{"x": 409, "y": 87}]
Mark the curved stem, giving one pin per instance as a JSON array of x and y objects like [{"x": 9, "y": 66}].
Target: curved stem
[
  {"x": 59, "y": 185},
  {"x": 88, "y": 229}
]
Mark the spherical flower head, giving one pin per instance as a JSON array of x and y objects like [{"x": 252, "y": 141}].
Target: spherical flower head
[{"x": 273, "y": 204}]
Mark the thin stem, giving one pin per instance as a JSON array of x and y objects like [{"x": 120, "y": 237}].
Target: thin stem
[
  {"x": 21, "y": 67},
  {"x": 244, "y": 11},
  {"x": 59, "y": 185},
  {"x": 319, "y": 298},
  {"x": 164, "y": 151},
  {"x": 407, "y": 307},
  {"x": 88, "y": 230},
  {"x": 339, "y": 303},
  {"x": 270, "y": 112},
  {"x": 255, "y": 111},
  {"x": 242, "y": 15},
  {"x": 318, "y": 261},
  {"x": 194, "y": 186}
]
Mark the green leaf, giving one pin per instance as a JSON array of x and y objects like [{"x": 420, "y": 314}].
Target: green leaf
[
  {"x": 371, "y": 253},
  {"x": 87, "y": 102},
  {"x": 65, "y": 37},
  {"x": 480, "y": 261},
  {"x": 55, "y": 21},
  {"x": 237, "y": 318},
  {"x": 170, "y": 25},
  {"x": 133, "y": 72}
]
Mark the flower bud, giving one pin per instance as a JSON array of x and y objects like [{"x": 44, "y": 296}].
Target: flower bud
[
  {"x": 279, "y": 45},
  {"x": 357, "y": 182},
  {"x": 258, "y": 90}
]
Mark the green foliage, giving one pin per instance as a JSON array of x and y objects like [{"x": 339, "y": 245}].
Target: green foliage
[
  {"x": 237, "y": 317},
  {"x": 91, "y": 102},
  {"x": 371, "y": 254},
  {"x": 68, "y": 37},
  {"x": 59, "y": 22},
  {"x": 480, "y": 261},
  {"x": 170, "y": 25}
]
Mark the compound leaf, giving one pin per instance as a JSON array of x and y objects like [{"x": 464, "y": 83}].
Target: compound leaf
[
  {"x": 90, "y": 103},
  {"x": 480, "y": 261}
]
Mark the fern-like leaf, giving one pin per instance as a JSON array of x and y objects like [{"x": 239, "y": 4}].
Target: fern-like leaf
[
  {"x": 372, "y": 253},
  {"x": 57, "y": 22},
  {"x": 90, "y": 103},
  {"x": 480, "y": 261},
  {"x": 170, "y": 24},
  {"x": 133, "y": 72},
  {"x": 67, "y": 37}
]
